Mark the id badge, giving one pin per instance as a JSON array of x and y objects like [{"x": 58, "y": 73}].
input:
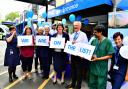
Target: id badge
[{"x": 115, "y": 67}]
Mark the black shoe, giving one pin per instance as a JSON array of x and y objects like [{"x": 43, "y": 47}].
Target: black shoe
[
  {"x": 10, "y": 79},
  {"x": 70, "y": 86},
  {"x": 62, "y": 83},
  {"x": 15, "y": 76},
  {"x": 55, "y": 82}
]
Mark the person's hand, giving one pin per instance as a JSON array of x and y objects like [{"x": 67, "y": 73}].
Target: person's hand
[
  {"x": 94, "y": 58},
  {"x": 14, "y": 33}
]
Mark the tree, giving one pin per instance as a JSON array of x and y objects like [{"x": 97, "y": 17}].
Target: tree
[{"x": 12, "y": 16}]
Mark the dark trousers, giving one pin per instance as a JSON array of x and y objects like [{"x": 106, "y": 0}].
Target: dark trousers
[
  {"x": 45, "y": 65},
  {"x": 11, "y": 70},
  {"x": 117, "y": 81},
  {"x": 76, "y": 71},
  {"x": 26, "y": 63},
  {"x": 36, "y": 62}
]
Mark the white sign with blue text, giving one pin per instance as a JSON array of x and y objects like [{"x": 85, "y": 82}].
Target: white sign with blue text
[
  {"x": 25, "y": 41},
  {"x": 80, "y": 49},
  {"x": 42, "y": 40},
  {"x": 57, "y": 43},
  {"x": 71, "y": 48},
  {"x": 85, "y": 51}
]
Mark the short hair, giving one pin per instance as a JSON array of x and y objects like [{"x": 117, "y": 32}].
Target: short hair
[
  {"x": 100, "y": 28},
  {"x": 11, "y": 28},
  {"x": 118, "y": 34},
  {"x": 77, "y": 22},
  {"x": 60, "y": 25}
]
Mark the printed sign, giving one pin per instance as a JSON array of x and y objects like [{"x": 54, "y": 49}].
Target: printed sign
[
  {"x": 85, "y": 51},
  {"x": 71, "y": 48},
  {"x": 79, "y": 49},
  {"x": 42, "y": 40},
  {"x": 57, "y": 43},
  {"x": 25, "y": 41}
]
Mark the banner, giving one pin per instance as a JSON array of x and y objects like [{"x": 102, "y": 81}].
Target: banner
[
  {"x": 57, "y": 43},
  {"x": 42, "y": 40},
  {"x": 80, "y": 49},
  {"x": 25, "y": 41}
]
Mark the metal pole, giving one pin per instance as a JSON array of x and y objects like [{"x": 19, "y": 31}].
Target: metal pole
[{"x": 46, "y": 11}]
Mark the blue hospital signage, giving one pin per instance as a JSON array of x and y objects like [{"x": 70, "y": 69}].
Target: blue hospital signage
[
  {"x": 57, "y": 43},
  {"x": 42, "y": 40},
  {"x": 25, "y": 41},
  {"x": 76, "y": 5},
  {"x": 80, "y": 49}
]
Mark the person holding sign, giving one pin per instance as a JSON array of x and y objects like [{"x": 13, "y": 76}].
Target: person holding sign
[
  {"x": 119, "y": 64},
  {"x": 77, "y": 62},
  {"x": 44, "y": 53},
  {"x": 99, "y": 65},
  {"x": 39, "y": 32},
  {"x": 12, "y": 54},
  {"x": 26, "y": 54},
  {"x": 59, "y": 57}
]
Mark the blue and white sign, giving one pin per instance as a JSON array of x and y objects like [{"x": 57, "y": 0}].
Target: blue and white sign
[
  {"x": 42, "y": 40},
  {"x": 80, "y": 49},
  {"x": 85, "y": 51},
  {"x": 25, "y": 41},
  {"x": 76, "y": 5},
  {"x": 71, "y": 48},
  {"x": 57, "y": 43}
]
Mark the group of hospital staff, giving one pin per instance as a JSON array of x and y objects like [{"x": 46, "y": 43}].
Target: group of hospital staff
[{"x": 98, "y": 67}]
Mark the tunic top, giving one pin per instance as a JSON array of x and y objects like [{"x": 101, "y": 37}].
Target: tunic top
[
  {"x": 12, "y": 53},
  {"x": 103, "y": 48}
]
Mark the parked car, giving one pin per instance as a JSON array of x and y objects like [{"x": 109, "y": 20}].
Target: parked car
[{"x": 3, "y": 31}]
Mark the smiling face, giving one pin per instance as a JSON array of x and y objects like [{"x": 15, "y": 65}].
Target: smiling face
[
  {"x": 118, "y": 41},
  {"x": 60, "y": 29},
  {"x": 77, "y": 26}
]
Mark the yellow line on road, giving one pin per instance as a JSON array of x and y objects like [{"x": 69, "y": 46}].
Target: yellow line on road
[
  {"x": 46, "y": 81},
  {"x": 15, "y": 82}
]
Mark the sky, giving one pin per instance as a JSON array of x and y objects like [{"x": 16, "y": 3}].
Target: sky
[{"x": 7, "y": 6}]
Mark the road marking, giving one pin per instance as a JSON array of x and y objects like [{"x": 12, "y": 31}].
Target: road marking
[
  {"x": 46, "y": 81},
  {"x": 15, "y": 82},
  {"x": 3, "y": 73}
]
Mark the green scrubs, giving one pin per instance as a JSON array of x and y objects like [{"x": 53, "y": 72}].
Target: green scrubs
[{"x": 99, "y": 69}]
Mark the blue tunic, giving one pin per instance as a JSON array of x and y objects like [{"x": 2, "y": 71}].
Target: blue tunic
[{"x": 12, "y": 53}]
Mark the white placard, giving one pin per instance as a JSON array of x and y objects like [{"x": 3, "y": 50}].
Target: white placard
[
  {"x": 57, "y": 43},
  {"x": 85, "y": 51},
  {"x": 25, "y": 41},
  {"x": 71, "y": 48},
  {"x": 42, "y": 40},
  {"x": 80, "y": 49}
]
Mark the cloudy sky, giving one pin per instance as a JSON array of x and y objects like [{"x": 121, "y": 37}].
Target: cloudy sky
[{"x": 7, "y": 6}]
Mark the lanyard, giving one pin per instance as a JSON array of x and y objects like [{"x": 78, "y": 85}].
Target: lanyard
[{"x": 116, "y": 55}]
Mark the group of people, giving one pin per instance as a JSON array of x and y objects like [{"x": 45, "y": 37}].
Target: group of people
[{"x": 98, "y": 67}]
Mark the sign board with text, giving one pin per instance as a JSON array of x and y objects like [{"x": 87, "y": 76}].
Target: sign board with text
[
  {"x": 80, "y": 49},
  {"x": 42, "y": 40},
  {"x": 25, "y": 41},
  {"x": 57, "y": 43}
]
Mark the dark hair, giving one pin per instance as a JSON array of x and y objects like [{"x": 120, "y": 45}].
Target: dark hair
[
  {"x": 118, "y": 34},
  {"x": 100, "y": 28},
  {"x": 11, "y": 28},
  {"x": 26, "y": 29},
  {"x": 59, "y": 25}
]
